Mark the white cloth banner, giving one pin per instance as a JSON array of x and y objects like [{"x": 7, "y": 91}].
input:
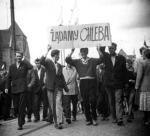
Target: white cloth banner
[{"x": 78, "y": 36}]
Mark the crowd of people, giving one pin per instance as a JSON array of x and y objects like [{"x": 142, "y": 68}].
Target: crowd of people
[{"x": 110, "y": 86}]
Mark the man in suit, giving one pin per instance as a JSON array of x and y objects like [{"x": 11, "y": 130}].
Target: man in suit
[
  {"x": 40, "y": 92},
  {"x": 114, "y": 81},
  {"x": 55, "y": 83},
  {"x": 17, "y": 79}
]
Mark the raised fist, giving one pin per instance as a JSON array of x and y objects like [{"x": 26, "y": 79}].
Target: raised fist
[
  {"x": 72, "y": 50},
  {"x": 49, "y": 47}
]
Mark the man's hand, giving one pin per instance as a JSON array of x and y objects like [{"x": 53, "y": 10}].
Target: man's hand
[
  {"x": 49, "y": 47},
  {"x": 29, "y": 86},
  {"x": 6, "y": 91},
  {"x": 72, "y": 51},
  {"x": 66, "y": 89},
  {"x": 133, "y": 81}
]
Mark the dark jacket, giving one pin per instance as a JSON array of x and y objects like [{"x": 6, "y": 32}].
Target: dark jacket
[
  {"x": 31, "y": 80},
  {"x": 17, "y": 77},
  {"x": 50, "y": 72},
  {"x": 131, "y": 76},
  {"x": 39, "y": 81},
  {"x": 115, "y": 76},
  {"x": 54, "y": 79},
  {"x": 60, "y": 80}
]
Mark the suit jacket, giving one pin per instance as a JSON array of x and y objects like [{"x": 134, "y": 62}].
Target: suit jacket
[
  {"x": 115, "y": 76},
  {"x": 17, "y": 77},
  {"x": 143, "y": 76},
  {"x": 31, "y": 80},
  {"x": 50, "y": 72},
  {"x": 54, "y": 78},
  {"x": 60, "y": 80},
  {"x": 39, "y": 81}
]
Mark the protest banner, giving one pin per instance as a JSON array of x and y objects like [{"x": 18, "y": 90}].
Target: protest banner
[{"x": 88, "y": 35}]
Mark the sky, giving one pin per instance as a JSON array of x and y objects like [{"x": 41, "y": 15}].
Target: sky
[{"x": 129, "y": 20}]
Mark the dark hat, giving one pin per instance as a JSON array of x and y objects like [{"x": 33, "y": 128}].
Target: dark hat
[
  {"x": 85, "y": 50},
  {"x": 54, "y": 52}
]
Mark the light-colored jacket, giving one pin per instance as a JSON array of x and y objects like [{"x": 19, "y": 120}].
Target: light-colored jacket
[
  {"x": 70, "y": 75},
  {"x": 143, "y": 76}
]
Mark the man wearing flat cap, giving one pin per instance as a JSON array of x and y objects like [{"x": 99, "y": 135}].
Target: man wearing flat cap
[
  {"x": 55, "y": 83},
  {"x": 86, "y": 68}
]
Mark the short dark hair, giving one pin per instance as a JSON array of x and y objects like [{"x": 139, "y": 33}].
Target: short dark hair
[
  {"x": 85, "y": 50},
  {"x": 37, "y": 60},
  {"x": 147, "y": 53},
  {"x": 129, "y": 61},
  {"x": 54, "y": 52},
  {"x": 102, "y": 48},
  {"x": 114, "y": 44}
]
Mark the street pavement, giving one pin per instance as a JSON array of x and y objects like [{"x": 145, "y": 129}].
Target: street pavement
[{"x": 78, "y": 128}]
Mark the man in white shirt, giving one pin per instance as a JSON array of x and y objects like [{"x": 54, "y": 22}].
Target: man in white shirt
[{"x": 41, "y": 96}]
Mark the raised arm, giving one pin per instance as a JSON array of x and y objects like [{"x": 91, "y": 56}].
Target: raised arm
[
  {"x": 100, "y": 52},
  {"x": 69, "y": 59},
  {"x": 42, "y": 60},
  {"x": 101, "y": 56}
]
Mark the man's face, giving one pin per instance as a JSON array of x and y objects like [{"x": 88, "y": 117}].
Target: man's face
[
  {"x": 112, "y": 50},
  {"x": 142, "y": 54},
  {"x": 83, "y": 55},
  {"x": 38, "y": 65},
  {"x": 19, "y": 57},
  {"x": 56, "y": 57},
  {"x": 128, "y": 65},
  {"x": 69, "y": 66}
]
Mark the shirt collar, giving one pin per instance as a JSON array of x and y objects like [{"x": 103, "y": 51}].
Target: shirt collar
[
  {"x": 38, "y": 69},
  {"x": 54, "y": 61},
  {"x": 85, "y": 61}
]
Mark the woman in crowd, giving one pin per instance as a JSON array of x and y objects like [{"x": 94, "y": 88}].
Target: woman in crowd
[{"x": 143, "y": 85}]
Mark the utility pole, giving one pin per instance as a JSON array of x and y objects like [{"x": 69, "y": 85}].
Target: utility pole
[{"x": 13, "y": 25}]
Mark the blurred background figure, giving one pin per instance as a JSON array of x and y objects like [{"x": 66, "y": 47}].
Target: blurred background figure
[
  {"x": 102, "y": 101},
  {"x": 143, "y": 86},
  {"x": 5, "y": 98},
  {"x": 130, "y": 89}
]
